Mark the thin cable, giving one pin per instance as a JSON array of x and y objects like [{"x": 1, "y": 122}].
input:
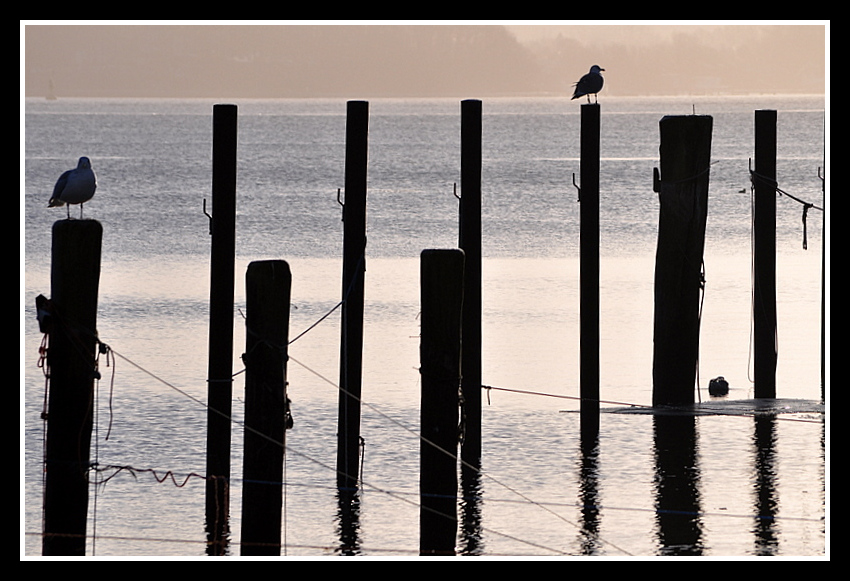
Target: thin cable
[
  {"x": 320, "y": 463},
  {"x": 455, "y": 457}
]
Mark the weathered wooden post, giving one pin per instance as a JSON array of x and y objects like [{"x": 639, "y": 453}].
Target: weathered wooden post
[
  {"x": 441, "y": 279},
  {"x": 470, "y": 243},
  {"x": 823, "y": 296},
  {"x": 589, "y": 270},
  {"x": 683, "y": 195},
  {"x": 267, "y": 291},
  {"x": 764, "y": 255},
  {"x": 74, "y": 278},
  {"x": 220, "y": 367},
  {"x": 353, "y": 274}
]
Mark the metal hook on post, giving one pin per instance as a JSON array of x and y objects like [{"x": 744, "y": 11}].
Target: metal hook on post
[
  {"x": 455, "y": 191},
  {"x": 340, "y": 202},
  {"x": 656, "y": 180},
  {"x": 207, "y": 214},
  {"x": 578, "y": 188}
]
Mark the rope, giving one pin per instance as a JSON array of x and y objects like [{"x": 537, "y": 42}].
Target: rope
[
  {"x": 756, "y": 177},
  {"x": 105, "y": 349}
]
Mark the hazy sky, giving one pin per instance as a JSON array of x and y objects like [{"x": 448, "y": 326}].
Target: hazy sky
[{"x": 186, "y": 59}]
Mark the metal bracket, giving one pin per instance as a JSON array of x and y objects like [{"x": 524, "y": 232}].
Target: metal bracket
[
  {"x": 578, "y": 188},
  {"x": 207, "y": 214},
  {"x": 340, "y": 202}
]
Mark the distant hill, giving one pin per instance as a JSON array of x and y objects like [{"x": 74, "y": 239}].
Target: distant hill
[
  {"x": 277, "y": 61},
  {"x": 354, "y": 61}
]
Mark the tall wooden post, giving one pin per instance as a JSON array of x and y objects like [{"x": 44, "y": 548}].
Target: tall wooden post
[
  {"x": 764, "y": 259},
  {"x": 470, "y": 243},
  {"x": 220, "y": 368},
  {"x": 74, "y": 278},
  {"x": 589, "y": 270},
  {"x": 353, "y": 274},
  {"x": 267, "y": 286},
  {"x": 683, "y": 195},
  {"x": 823, "y": 297},
  {"x": 441, "y": 279}
]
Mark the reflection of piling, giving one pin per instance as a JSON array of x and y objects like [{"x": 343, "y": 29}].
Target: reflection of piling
[
  {"x": 220, "y": 369},
  {"x": 589, "y": 270},
  {"x": 764, "y": 255},
  {"x": 440, "y": 355},
  {"x": 765, "y": 486},
  {"x": 683, "y": 196},
  {"x": 470, "y": 243},
  {"x": 353, "y": 272},
  {"x": 677, "y": 481},
  {"x": 267, "y": 291},
  {"x": 75, "y": 275}
]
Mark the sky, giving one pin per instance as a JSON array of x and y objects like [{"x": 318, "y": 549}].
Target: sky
[{"x": 419, "y": 59}]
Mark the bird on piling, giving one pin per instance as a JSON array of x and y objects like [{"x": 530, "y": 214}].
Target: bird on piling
[
  {"x": 75, "y": 186},
  {"x": 589, "y": 84}
]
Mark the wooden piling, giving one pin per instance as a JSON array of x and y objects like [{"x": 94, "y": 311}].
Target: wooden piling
[
  {"x": 470, "y": 243},
  {"x": 220, "y": 368},
  {"x": 441, "y": 279},
  {"x": 267, "y": 286},
  {"x": 589, "y": 270},
  {"x": 353, "y": 273},
  {"x": 683, "y": 195},
  {"x": 764, "y": 255},
  {"x": 74, "y": 278}
]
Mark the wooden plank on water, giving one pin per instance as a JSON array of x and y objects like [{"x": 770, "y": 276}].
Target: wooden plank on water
[{"x": 744, "y": 407}]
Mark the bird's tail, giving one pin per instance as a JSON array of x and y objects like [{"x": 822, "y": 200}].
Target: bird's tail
[{"x": 55, "y": 203}]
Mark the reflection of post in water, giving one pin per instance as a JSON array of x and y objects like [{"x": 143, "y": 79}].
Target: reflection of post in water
[
  {"x": 217, "y": 524},
  {"x": 766, "y": 502},
  {"x": 348, "y": 519},
  {"x": 589, "y": 495},
  {"x": 470, "y": 511},
  {"x": 677, "y": 502}
]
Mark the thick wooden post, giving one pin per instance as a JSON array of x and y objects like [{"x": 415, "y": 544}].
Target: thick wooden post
[
  {"x": 74, "y": 278},
  {"x": 267, "y": 286},
  {"x": 470, "y": 243},
  {"x": 220, "y": 368},
  {"x": 441, "y": 276},
  {"x": 353, "y": 274},
  {"x": 683, "y": 195},
  {"x": 589, "y": 270},
  {"x": 764, "y": 259}
]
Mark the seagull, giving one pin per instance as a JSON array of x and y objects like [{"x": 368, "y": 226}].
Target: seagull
[
  {"x": 589, "y": 84},
  {"x": 75, "y": 186}
]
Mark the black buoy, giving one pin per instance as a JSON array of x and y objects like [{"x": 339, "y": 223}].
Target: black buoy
[{"x": 718, "y": 386}]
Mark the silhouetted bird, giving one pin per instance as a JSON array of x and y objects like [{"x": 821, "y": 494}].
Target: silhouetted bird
[
  {"x": 589, "y": 84},
  {"x": 75, "y": 186}
]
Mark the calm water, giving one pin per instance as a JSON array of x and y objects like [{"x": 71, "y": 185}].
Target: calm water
[{"x": 747, "y": 493}]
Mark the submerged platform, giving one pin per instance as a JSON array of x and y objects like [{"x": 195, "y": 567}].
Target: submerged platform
[{"x": 729, "y": 407}]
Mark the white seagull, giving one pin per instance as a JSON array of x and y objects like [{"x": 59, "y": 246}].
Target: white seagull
[
  {"x": 75, "y": 186},
  {"x": 589, "y": 84}
]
